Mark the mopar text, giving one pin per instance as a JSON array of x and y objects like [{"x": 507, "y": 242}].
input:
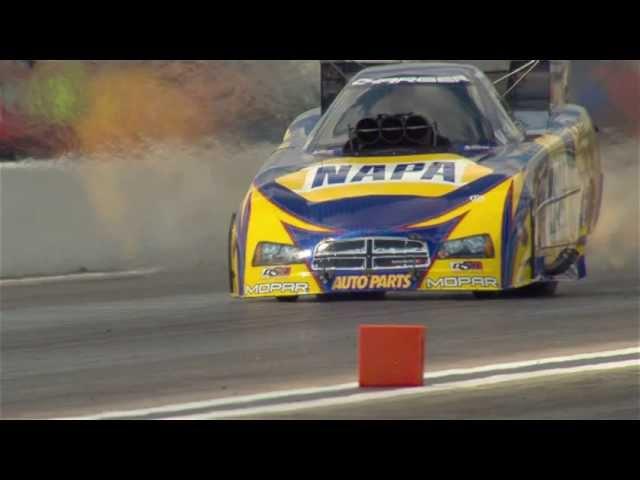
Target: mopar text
[
  {"x": 288, "y": 287},
  {"x": 462, "y": 282}
]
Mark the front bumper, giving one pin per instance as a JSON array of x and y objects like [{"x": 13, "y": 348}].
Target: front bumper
[{"x": 380, "y": 263}]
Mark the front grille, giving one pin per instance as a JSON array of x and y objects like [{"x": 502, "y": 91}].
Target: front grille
[
  {"x": 399, "y": 246},
  {"x": 370, "y": 253},
  {"x": 402, "y": 262},
  {"x": 338, "y": 263},
  {"x": 343, "y": 247}
]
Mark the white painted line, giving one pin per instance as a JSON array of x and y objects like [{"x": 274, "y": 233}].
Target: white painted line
[
  {"x": 218, "y": 402},
  {"x": 78, "y": 276},
  {"x": 347, "y": 386},
  {"x": 533, "y": 363},
  {"x": 364, "y": 397}
]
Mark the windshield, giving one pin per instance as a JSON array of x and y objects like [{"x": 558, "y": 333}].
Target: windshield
[{"x": 455, "y": 108}]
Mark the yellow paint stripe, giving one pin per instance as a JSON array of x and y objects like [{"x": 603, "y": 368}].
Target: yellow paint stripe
[
  {"x": 518, "y": 184},
  {"x": 261, "y": 201}
]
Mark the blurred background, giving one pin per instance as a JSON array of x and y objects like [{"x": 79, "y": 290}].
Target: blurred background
[
  {"x": 117, "y": 164},
  {"x": 54, "y": 108}
]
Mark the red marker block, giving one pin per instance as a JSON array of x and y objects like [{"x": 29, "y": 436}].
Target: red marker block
[{"x": 391, "y": 355}]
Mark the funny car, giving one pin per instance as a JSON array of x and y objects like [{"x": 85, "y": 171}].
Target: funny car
[{"x": 422, "y": 176}]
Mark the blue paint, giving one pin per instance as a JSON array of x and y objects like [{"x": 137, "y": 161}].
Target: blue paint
[
  {"x": 375, "y": 172},
  {"x": 582, "y": 266},
  {"x": 538, "y": 267},
  {"x": 517, "y": 223},
  {"x": 376, "y": 211},
  {"x": 242, "y": 243},
  {"x": 507, "y": 239},
  {"x": 335, "y": 175}
]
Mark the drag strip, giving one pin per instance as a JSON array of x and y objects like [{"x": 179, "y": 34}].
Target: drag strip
[
  {"x": 79, "y": 348},
  {"x": 294, "y": 400},
  {"x": 612, "y": 394},
  {"x": 73, "y": 277}
]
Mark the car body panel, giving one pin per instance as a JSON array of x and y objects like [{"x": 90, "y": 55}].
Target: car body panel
[{"x": 535, "y": 199}]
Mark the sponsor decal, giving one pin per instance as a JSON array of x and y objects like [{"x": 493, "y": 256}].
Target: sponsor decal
[
  {"x": 442, "y": 172},
  {"x": 276, "y": 272},
  {"x": 476, "y": 198},
  {"x": 477, "y": 147},
  {"x": 287, "y": 287},
  {"x": 464, "y": 266},
  {"x": 462, "y": 282},
  {"x": 410, "y": 79},
  {"x": 368, "y": 282}
]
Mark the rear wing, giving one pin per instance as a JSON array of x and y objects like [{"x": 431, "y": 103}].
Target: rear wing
[{"x": 524, "y": 84}]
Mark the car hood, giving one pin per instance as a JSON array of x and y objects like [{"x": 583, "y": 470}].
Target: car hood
[{"x": 372, "y": 193}]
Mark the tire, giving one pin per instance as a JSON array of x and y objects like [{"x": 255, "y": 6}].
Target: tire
[
  {"x": 230, "y": 252},
  {"x": 535, "y": 290},
  {"x": 371, "y": 296},
  {"x": 484, "y": 295},
  {"x": 330, "y": 297},
  {"x": 290, "y": 299},
  {"x": 538, "y": 289}
]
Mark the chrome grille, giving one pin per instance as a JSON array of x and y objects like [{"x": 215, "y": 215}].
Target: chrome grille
[
  {"x": 370, "y": 253},
  {"x": 337, "y": 263},
  {"x": 398, "y": 246},
  {"x": 400, "y": 262},
  {"x": 343, "y": 247}
]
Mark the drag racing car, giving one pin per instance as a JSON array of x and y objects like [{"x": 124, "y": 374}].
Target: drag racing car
[{"x": 419, "y": 176}]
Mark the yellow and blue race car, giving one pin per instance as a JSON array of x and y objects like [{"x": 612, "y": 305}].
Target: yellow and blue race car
[{"x": 423, "y": 177}]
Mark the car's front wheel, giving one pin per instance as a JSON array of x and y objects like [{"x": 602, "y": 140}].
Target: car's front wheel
[
  {"x": 231, "y": 254},
  {"x": 539, "y": 289},
  {"x": 484, "y": 295},
  {"x": 289, "y": 299},
  {"x": 535, "y": 290},
  {"x": 342, "y": 296}
]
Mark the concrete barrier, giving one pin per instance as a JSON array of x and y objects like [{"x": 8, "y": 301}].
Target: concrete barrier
[{"x": 170, "y": 208}]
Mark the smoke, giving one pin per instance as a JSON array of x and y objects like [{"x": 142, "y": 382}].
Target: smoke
[
  {"x": 172, "y": 206},
  {"x": 169, "y": 149},
  {"x": 615, "y": 244},
  {"x": 610, "y": 90}
]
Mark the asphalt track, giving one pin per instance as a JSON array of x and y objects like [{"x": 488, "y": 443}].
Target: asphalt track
[
  {"x": 82, "y": 347},
  {"x": 613, "y": 395}
]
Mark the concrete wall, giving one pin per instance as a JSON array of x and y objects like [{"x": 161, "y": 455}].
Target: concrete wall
[{"x": 170, "y": 209}]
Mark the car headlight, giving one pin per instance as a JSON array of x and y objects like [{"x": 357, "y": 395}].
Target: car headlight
[
  {"x": 478, "y": 246},
  {"x": 278, "y": 254}
]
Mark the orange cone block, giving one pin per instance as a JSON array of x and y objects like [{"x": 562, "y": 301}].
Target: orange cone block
[{"x": 391, "y": 355}]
